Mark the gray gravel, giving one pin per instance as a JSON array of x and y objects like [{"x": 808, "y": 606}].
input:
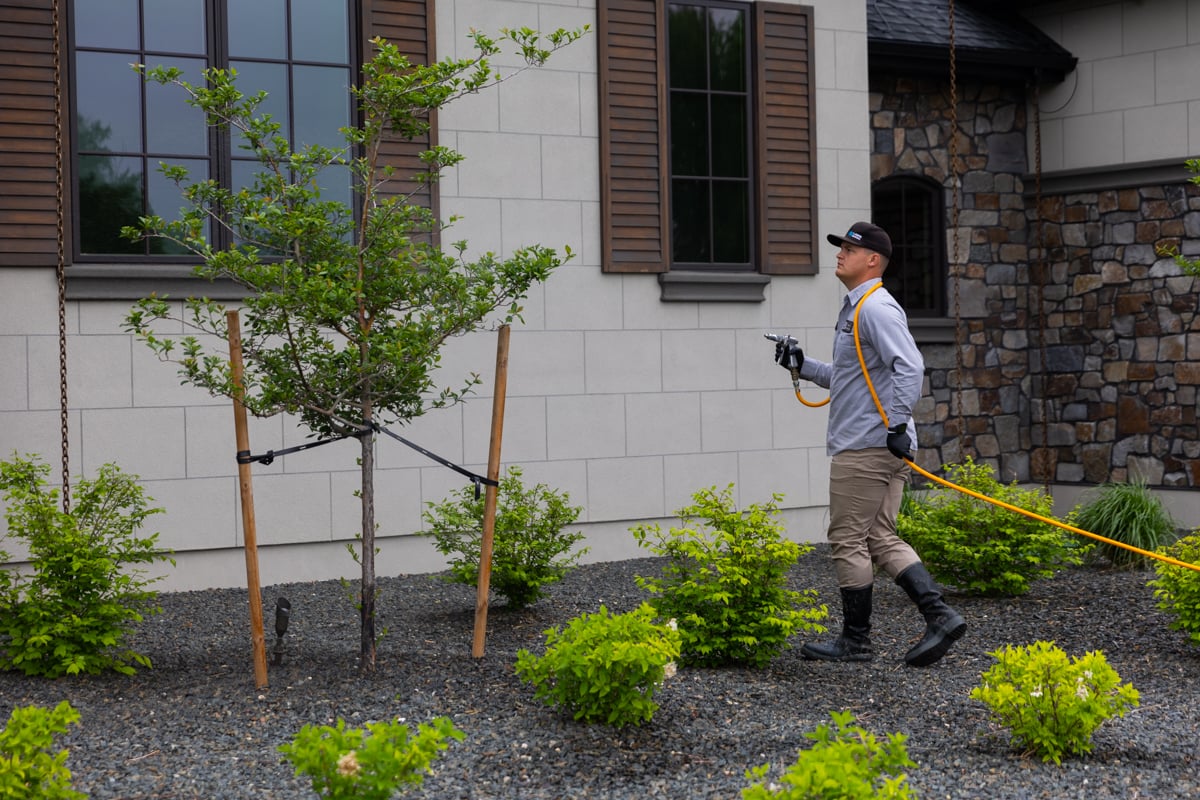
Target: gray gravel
[{"x": 196, "y": 727}]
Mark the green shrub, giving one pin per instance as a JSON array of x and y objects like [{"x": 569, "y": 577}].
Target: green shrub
[
  {"x": 846, "y": 763},
  {"x": 72, "y": 611},
  {"x": 529, "y": 545},
  {"x": 370, "y": 763},
  {"x": 28, "y": 771},
  {"x": 1052, "y": 703},
  {"x": 980, "y": 548},
  {"x": 1128, "y": 513},
  {"x": 725, "y": 581},
  {"x": 604, "y": 668},
  {"x": 1178, "y": 588}
]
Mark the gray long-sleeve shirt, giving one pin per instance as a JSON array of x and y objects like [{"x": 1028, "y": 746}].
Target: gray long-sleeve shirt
[{"x": 896, "y": 365}]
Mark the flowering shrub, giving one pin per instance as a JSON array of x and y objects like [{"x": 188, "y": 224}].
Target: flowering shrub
[
  {"x": 604, "y": 667},
  {"x": 371, "y": 763},
  {"x": 1178, "y": 588},
  {"x": 530, "y": 548},
  {"x": 1052, "y": 703},
  {"x": 725, "y": 581},
  {"x": 27, "y": 769},
  {"x": 980, "y": 548},
  {"x": 846, "y": 763}
]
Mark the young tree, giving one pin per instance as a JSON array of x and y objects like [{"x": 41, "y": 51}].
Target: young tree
[{"x": 348, "y": 307}]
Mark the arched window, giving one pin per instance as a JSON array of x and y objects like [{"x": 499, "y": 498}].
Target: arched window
[{"x": 911, "y": 209}]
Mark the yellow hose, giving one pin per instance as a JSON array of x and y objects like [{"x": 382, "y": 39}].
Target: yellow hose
[
  {"x": 817, "y": 404},
  {"x": 862, "y": 362}
]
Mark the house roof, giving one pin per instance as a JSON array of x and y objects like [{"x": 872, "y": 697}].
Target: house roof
[{"x": 991, "y": 41}]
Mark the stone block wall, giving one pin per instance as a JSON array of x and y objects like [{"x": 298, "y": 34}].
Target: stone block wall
[
  {"x": 977, "y": 402},
  {"x": 1122, "y": 338},
  {"x": 1078, "y": 348}
]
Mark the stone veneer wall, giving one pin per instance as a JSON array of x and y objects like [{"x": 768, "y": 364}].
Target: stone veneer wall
[
  {"x": 910, "y": 122},
  {"x": 1104, "y": 383},
  {"x": 1122, "y": 363}
]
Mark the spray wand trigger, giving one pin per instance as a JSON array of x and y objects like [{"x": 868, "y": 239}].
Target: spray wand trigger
[{"x": 787, "y": 344}]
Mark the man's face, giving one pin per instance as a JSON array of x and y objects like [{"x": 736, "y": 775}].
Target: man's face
[{"x": 856, "y": 264}]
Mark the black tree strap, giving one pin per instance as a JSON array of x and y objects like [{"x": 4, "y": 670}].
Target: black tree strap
[
  {"x": 245, "y": 457},
  {"x": 475, "y": 479}
]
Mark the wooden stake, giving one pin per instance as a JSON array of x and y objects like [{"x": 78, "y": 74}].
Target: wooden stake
[
  {"x": 249, "y": 534},
  {"x": 489, "y": 497}
]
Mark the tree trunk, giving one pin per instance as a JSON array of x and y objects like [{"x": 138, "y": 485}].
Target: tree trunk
[{"x": 367, "y": 596}]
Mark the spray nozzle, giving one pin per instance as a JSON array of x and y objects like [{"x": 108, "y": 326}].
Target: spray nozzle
[{"x": 791, "y": 354}]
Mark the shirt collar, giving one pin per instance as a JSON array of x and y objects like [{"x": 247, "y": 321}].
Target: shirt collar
[{"x": 856, "y": 294}]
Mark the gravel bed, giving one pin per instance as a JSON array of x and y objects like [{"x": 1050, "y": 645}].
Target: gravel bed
[{"x": 195, "y": 726}]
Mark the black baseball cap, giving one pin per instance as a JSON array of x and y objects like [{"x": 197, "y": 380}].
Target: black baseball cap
[{"x": 864, "y": 234}]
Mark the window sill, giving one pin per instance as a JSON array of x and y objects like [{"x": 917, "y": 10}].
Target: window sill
[
  {"x": 135, "y": 281},
  {"x": 932, "y": 330},
  {"x": 713, "y": 287}
]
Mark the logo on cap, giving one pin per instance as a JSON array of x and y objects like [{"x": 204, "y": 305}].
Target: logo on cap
[{"x": 855, "y": 235}]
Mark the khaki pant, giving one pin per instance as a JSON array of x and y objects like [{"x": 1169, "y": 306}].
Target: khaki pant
[{"x": 865, "y": 488}]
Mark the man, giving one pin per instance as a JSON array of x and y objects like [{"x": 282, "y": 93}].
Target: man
[{"x": 869, "y": 461}]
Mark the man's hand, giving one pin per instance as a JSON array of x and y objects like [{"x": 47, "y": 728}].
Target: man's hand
[
  {"x": 897, "y": 442},
  {"x": 789, "y": 355}
]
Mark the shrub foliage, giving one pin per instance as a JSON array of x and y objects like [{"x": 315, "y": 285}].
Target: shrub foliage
[
  {"x": 980, "y": 548},
  {"x": 370, "y": 763},
  {"x": 1052, "y": 703},
  {"x": 530, "y": 548},
  {"x": 604, "y": 667},
  {"x": 725, "y": 580},
  {"x": 84, "y": 591},
  {"x": 1178, "y": 588},
  {"x": 846, "y": 763},
  {"x": 27, "y": 767}
]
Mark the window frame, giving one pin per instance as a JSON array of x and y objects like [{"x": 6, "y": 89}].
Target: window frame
[
  {"x": 931, "y": 197},
  {"x": 220, "y": 148},
  {"x": 410, "y": 23},
  {"x": 634, "y": 150},
  {"x": 709, "y": 94}
]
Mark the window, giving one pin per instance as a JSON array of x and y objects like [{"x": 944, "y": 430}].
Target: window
[
  {"x": 912, "y": 210},
  {"x": 708, "y": 151},
  {"x": 301, "y": 52},
  {"x": 708, "y": 71}
]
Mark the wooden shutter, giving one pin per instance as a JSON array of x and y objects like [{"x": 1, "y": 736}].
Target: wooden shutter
[
  {"x": 786, "y": 146},
  {"x": 28, "y": 178},
  {"x": 635, "y": 226},
  {"x": 408, "y": 24}
]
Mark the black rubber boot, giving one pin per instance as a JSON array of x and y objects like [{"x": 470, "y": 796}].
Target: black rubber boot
[
  {"x": 943, "y": 625},
  {"x": 855, "y": 642}
]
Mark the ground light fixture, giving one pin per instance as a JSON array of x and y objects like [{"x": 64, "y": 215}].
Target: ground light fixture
[{"x": 283, "y": 614}]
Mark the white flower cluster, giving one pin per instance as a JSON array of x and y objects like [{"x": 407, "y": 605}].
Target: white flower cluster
[{"x": 348, "y": 764}]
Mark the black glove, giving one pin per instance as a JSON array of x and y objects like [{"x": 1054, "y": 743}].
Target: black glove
[
  {"x": 897, "y": 442},
  {"x": 789, "y": 355}
]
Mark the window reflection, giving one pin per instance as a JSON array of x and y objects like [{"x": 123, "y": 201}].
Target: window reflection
[
  {"x": 257, "y": 76},
  {"x": 110, "y": 189},
  {"x": 111, "y": 24},
  {"x": 258, "y": 29},
  {"x": 174, "y": 26},
  {"x": 327, "y": 91},
  {"x": 109, "y": 95},
  {"x": 166, "y": 201},
  {"x": 172, "y": 126},
  {"x": 320, "y": 31}
]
